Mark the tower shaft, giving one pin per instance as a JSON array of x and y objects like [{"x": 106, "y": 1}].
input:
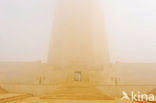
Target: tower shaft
[{"x": 78, "y": 34}]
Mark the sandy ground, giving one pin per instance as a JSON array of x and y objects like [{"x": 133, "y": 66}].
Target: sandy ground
[{"x": 38, "y": 100}]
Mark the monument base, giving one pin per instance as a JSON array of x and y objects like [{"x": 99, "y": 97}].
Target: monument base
[{"x": 77, "y": 93}]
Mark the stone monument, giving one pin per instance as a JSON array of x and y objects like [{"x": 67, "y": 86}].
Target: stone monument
[{"x": 78, "y": 48}]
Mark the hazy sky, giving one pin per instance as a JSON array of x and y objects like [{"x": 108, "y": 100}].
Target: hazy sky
[{"x": 26, "y": 26}]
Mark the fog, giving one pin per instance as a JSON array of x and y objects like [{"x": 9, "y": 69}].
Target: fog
[{"x": 26, "y": 26}]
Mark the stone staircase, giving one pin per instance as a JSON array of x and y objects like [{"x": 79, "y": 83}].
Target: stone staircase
[{"x": 77, "y": 93}]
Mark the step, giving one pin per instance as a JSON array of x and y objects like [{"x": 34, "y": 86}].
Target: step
[
  {"x": 79, "y": 98},
  {"x": 77, "y": 93}
]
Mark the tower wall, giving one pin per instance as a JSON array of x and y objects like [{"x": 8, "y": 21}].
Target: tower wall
[{"x": 78, "y": 34}]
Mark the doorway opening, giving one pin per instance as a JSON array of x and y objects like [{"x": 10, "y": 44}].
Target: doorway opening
[{"x": 77, "y": 76}]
